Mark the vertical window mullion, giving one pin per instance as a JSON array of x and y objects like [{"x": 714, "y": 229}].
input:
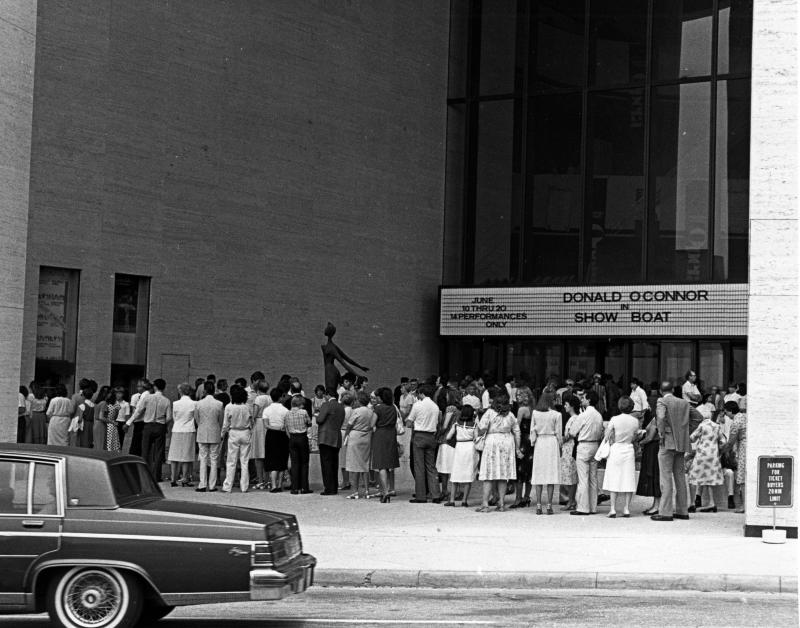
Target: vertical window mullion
[
  {"x": 471, "y": 140},
  {"x": 648, "y": 76},
  {"x": 712, "y": 149},
  {"x": 586, "y": 223}
]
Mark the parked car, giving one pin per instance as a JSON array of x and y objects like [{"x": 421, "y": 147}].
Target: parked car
[{"x": 89, "y": 537}]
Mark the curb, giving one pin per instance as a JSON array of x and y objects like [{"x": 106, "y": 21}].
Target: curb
[{"x": 410, "y": 578}]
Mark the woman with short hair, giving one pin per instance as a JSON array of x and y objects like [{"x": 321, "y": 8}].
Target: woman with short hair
[
  {"x": 567, "y": 467},
  {"x": 546, "y": 442},
  {"x": 181, "y": 443},
  {"x": 358, "y": 435},
  {"x": 59, "y": 411},
  {"x": 620, "y": 475},
  {"x": 500, "y": 450},
  {"x": 737, "y": 443},
  {"x": 100, "y": 415},
  {"x": 258, "y": 442},
  {"x": 347, "y": 400},
  {"x": 276, "y": 448},
  {"x": 384, "y": 440},
  {"x": 116, "y": 418},
  {"x": 36, "y": 429}
]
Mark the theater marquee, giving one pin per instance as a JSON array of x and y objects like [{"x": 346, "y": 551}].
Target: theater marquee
[{"x": 668, "y": 310}]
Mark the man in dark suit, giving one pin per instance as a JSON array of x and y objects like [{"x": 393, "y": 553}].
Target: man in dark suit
[
  {"x": 672, "y": 420},
  {"x": 329, "y": 435}
]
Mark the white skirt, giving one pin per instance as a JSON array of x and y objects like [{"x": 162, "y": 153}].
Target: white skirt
[
  {"x": 444, "y": 458},
  {"x": 620, "y": 474},
  {"x": 465, "y": 463}
]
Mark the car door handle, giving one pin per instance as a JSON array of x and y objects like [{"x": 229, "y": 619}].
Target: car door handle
[{"x": 32, "y": 523}]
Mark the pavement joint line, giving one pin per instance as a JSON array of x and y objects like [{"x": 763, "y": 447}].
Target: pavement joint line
[{"x": 438, "y": 579}]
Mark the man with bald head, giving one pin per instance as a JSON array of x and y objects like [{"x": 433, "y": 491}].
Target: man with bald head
[{"x": 672, "y": 419}]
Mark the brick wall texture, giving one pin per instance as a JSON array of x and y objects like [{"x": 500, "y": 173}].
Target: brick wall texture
[{"x": 271, "y": 165}]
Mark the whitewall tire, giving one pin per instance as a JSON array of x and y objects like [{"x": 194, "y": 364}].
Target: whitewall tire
[{"x": 94, "y": 597}]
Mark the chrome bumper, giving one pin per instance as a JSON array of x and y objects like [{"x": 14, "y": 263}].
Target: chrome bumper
[{"x": 274, "y": 584}]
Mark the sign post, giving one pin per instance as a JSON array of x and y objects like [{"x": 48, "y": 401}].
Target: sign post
[{"x": 775, "y": 485}]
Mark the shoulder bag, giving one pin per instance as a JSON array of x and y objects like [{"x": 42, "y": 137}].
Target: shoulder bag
[{"x": 603, "y": 450}]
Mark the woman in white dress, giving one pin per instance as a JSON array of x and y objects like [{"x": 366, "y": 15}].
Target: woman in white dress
[
  {"x": 465, "y": 458},
  {"x": 620, "y": 476},
  {"x": 546, "y": 441},
  {"x": 500, "y": 450}
]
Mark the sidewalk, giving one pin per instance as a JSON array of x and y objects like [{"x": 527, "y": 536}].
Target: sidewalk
[{"x": 364, "y": 542}]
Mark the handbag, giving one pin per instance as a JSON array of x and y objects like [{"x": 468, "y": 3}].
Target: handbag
[
  {"x": 603, "y": 451},
  {"x": 453, "y": 439},
  {"x": 480, "y": 442}
]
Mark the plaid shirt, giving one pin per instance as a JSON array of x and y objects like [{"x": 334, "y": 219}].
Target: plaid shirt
[{"x": 297, "y": 421}]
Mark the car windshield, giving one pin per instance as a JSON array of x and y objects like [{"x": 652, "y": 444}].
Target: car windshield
[{"x": 132, "y": 482}]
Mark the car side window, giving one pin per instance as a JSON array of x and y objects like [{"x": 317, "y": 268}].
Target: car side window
[
  {"x": 13, "y": 487},
  {"x": 44, "y": 489}
]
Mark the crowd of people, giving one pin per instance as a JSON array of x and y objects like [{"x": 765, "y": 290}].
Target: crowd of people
[{"x": 516, "y": 440}]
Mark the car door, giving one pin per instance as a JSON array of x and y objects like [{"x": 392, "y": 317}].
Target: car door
[{"x": 31, "y": 512}]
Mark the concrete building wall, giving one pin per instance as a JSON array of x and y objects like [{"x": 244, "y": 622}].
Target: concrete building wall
[
  {"x": 271, "y": 165},
  {"x": 773, "y": 332},
  {"x": 17, "y": 54}
]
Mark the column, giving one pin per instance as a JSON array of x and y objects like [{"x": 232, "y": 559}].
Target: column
[
  {"x": 772, "y": 330},
  {"x": 17, "y": 53}
]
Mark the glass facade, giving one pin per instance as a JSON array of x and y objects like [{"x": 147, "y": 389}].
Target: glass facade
[
  {"x": 598, "y": 142},
  {"x": 715, "y": 361}
]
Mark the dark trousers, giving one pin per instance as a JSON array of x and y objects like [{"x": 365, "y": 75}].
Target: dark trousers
[
  {"x": 328, "y": 463},
  {"x": 298, "y": 454},
  {"x": 136, "y": 439},
  {"x": 424, "y": 447},
  {"x": 154, "y": 436}
]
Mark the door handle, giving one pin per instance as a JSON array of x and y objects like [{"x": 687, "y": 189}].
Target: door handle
[{"x": 32, "y": 523}]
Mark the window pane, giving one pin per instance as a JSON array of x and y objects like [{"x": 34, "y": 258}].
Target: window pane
[
  {"x": 457, "y": 70},
  {"x": 582, "y": 360},
  {"x": 13, "y": 487},
  {"x": 44, "y": 489},
  {"x": 644, "y": 362},
  {"x": 534, "y": 361},
  {"x": 464, "y": 356},
  {"x": 679, "y": 157},
  {"x": 454, "y": 196},
  {"x": 616, "y": 363},
  {"x": 552, "y": 245},
  {"x": 739, "y": 370},
  {"x": 681, "y": 38},
  {"x": 615, "y": 199},
  {"x": 498, "y": 46},
  {"x": 712, "y": 365},
  {"x": 735, "y": 41},
  {"x": 494, "y": 196},
  {"x": 676, "y": 359},
  {"x": 732, "y": 181},
  {"x": 57, "y": 326},
  {"x": 618, "y": 42},
  {"x": 559, "y": 37}
]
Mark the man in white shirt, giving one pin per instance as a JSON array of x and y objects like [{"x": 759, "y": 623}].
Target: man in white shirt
[
  {"x": 588, "y": 432},
  {"x": 639, "y": 398},
  {"x": 143, "y": 388},
  {"x": 209, "y": 436},
  {"x": 689, "y": 391},
  {"x": 424, "y": 419}
]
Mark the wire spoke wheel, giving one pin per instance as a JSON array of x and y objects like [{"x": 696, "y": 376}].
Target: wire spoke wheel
[{"x": 92, "y": 598}]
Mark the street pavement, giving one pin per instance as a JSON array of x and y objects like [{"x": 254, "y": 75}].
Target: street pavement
[
  {"x": 489, "y": 607},
  {"x": 364, "y": 542}
]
